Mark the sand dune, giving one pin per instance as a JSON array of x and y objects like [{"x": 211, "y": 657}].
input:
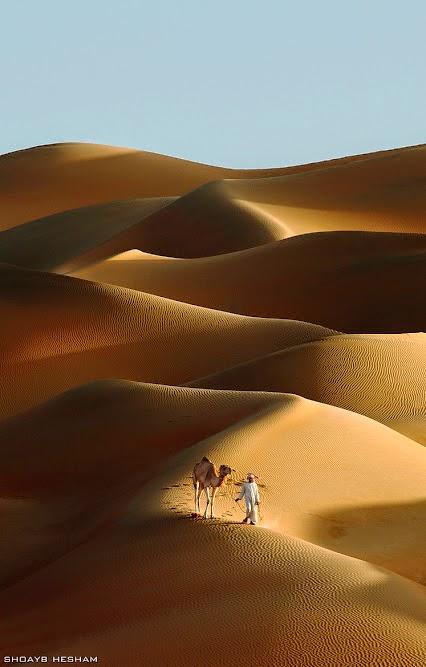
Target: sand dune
[
  {"x": 63, "y": 491},
  {"x": 197, "y": 225},
  {"x": 208, "y": 221},
  {"x": 124, "y": 596},
  {"x": 378, "y": 192},
  {"x": 77, "y": 331},
  {"x": 125, "y": 431},
  {"x": 153, "y": 420},
  {"x": 313, "y": 277},
  {"x": 328, "y": 475},
  {"x": 204, "y": 316},
  {"x": 123, "y": 571},
  {"x": 64, "y": 239},
  {"x": 47, "y": 179},
  {"x": 382, "y": 192},
  {"x": 380, "y": 376}
]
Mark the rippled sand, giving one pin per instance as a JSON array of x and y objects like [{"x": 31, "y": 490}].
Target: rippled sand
[{"x": 155, "y": 310}]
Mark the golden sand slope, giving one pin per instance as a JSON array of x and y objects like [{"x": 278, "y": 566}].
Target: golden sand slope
[
  {"x": 77, "y": 331},
  {"x": 252, "y": 597},
  {"x": 129, "y": 578},
  {"x": 100, "y": 555},
  {"x": 57, "y": 177},
  {"x": 327, "y": 475},
  {"x": 48, "y": 179},
  {"x": 382, "y": 192},
  {"x": 314, "y": 277},
  {"x": 381, "y": 376},
  {"x": 322, "y": 477}
]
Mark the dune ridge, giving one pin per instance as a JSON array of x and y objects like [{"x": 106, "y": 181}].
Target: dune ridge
[
  {"x": 136, "y": 531},
  {"x": 43, "y": 180},
  {"x": 80, "y": 331},
  {"x": 273, "y": 431},
  {"x": 74, "y": 238},
  {"x": 384, "y": 192},
  {"x": 66, "y": 237},
  {"x": 313, "y": 616},
  {"x": 314, "y": 277},
  {"x": 382, "y": 376},
  {"x": 154, "y": 311}
]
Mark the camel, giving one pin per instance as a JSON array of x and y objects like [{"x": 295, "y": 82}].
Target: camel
[{"x": 205, "y": 476}]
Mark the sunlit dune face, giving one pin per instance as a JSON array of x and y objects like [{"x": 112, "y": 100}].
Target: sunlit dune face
[{"x": 156, "y": 313}]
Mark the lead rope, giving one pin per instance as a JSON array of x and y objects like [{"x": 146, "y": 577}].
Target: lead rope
[{"x": 240, "y": 508}]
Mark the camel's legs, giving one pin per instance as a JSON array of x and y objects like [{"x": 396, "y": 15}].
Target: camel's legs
[
  {"x": 207, "y": 492},
  {"x": 199, "y": 490},
  {"x": 214, "y": 489},
  {"x": 197, "y": 497}
]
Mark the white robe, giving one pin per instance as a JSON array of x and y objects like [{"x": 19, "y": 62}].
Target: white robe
[{"x": 250, "y": 493}]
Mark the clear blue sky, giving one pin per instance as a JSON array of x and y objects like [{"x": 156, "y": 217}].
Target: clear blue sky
[{"x": 234, "y": 82}]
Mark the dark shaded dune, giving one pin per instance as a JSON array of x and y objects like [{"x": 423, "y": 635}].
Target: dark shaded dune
[
  {"x": 205, "y": 222},
  {"x": 60, "y": 239},
  {"x": 59, "y": 332},
  {"x": 201, "y": 223},
  {"x": 382, "y": 376},
  {"x": 62, "y": 461},
  {"x": 351, "y": 281},
  {"x": 110, "y": 430}
]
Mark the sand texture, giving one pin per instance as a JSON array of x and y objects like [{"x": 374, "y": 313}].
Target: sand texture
[
  {"x": 154, "y": 311},
  {"x": 315, "y": 277}
]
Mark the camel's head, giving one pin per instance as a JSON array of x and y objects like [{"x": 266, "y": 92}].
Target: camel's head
[{"x": 224, "y": 470}]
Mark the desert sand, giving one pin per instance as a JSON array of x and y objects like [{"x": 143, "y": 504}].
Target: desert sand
[
  {"x": 155, "y": 311},
  {"x": 380, "y": 376},
  {"x": 312, "y": 277}
]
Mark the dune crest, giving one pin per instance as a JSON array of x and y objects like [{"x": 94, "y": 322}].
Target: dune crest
[
  {"x": 47, "y": 179},
  {"x": 380, "y": 376},
  {"x": 80, "y": 331},
  {"x": 154, "y": 311},
  {"x": 355, "y": 472},
  {"x": 380, "y": 192},
  {"x": 315, "y": 277},
  {"x": 67, "y": 237},
  {"x": 130, "y": 540}
]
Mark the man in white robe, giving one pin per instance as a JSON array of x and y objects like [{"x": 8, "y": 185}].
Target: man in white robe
[{"x": 250, "y": 493}]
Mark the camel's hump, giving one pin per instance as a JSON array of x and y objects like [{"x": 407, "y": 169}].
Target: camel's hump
[{"x": 206, "y": 459}]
